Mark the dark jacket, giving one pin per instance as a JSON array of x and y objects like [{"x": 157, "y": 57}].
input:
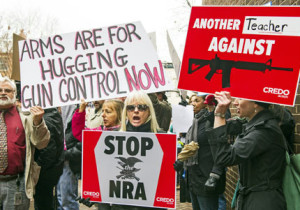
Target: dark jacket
[
  {"x": 163, "y": 112},
  {"x": 51, "y": 158},
  {"x": 74, "y": 148},
  {"x": 199, "y": 173},
  {"x": 259, "y": 150}
]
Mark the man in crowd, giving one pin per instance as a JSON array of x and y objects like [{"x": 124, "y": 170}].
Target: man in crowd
[
  {"x": 94, "y": 117},
  {"x": 20, "y": 134}
]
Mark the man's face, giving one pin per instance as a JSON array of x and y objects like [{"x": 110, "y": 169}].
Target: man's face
[
  {"x": 7, "y": 95},
  {"x": 98, "y": 104},
  {"x": 160, "y": 96}
]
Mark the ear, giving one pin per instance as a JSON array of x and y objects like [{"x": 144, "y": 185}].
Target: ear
[{"x": 255, "y": 105}]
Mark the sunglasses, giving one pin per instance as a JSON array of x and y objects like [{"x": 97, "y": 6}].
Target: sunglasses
[
  {"x": 140, "y": 107},
  {"x": 5, "y": 90}
]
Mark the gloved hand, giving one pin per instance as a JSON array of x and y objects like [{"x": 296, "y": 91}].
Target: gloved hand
[
  {"x": 86, "y": 202},
  {"x": 235, "y": 126},
  {"x": 178, "y": 165},
  {"x": 183, "y": 102}
]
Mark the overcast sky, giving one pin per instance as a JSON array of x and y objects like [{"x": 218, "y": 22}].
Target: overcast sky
[{"x": 72, "y": 15}]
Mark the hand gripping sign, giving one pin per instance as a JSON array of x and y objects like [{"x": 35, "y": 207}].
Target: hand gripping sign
[
  {"x": 129, "y": 168},
  {"x": 252, "y": 52}
]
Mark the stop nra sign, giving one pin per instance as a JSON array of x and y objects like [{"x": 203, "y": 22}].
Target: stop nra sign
[{"x": 129, "y": 168}]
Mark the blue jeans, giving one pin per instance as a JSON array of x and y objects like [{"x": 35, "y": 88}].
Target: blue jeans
[
  {"x": 8, "y": 189},
  {"x": 204, "y": 203},
  {"x": 67, "y": 190},
  {"x": 222, "y": 202}
]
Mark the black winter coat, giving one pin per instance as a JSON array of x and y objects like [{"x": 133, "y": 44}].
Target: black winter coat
[
  {"x": 199, "y": 173},
  {"x": 259, "y": 150},
  {"x": 51, "y": 158}
]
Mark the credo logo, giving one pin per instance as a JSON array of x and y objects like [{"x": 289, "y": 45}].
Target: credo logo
[
  {"x": 277, "y": 91},
  {"x": 165, "y": 200},
  {"x": 93, "y": 194}
]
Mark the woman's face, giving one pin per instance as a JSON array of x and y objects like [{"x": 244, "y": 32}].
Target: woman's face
[
  {"x": 109, "y": 115},
  {"x": 137, "y": 113},
  {"x": 245, "y": 108},
  {"x": 198, "y": 104}
]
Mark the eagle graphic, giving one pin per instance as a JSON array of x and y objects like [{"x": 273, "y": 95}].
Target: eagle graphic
[{"x": 128, "y": 170}]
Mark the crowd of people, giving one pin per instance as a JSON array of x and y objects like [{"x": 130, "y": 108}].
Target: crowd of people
[{"x": 40, "y": 150}]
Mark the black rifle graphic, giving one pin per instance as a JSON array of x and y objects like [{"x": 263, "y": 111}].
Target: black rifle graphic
[{"x": 226, "y": 66}]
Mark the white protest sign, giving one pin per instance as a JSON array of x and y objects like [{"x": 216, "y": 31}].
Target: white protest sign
[
  {"x": 182, "y": 118},
  {"x": 102, "y": 63}
]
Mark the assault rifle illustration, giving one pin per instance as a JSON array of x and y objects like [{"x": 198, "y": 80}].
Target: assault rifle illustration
[{"x": 226, "y": 66}]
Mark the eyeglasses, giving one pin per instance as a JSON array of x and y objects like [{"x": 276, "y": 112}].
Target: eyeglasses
[
  {"x": 5, "y": 90},
  {"x": 140, "y": 107}
]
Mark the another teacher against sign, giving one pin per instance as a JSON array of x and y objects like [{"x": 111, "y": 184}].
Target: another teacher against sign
[{"x": 259, "y": 150}]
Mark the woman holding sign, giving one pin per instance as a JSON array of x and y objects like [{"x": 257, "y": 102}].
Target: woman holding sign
[
  {"x": 259, "y": 150},
  {"x": 139, "y": 116},
  {"x": 198, "y": 160},
  {"x": 111, "y": 114}
]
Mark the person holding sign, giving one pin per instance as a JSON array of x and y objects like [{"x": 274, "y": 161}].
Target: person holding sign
[
  {"x": 111, "y": 114},
  {"x": 111, "y": 117},
  {"x": 139, "y": 116},
  {"x": 200, "y": 163},
  {"x": 259, "y": 150},
  {"x": 21, "y": 134}
]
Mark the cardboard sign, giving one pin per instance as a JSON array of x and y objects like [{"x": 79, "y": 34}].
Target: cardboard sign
[
  {"x": 129, "y": 168},
  {"x": 182, "y": 118},
  {"x": 93, "y": 64},
  {"x": 252, "y": 52}
]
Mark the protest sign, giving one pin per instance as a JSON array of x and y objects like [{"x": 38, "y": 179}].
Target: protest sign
[
  {"x": 102, "y": 63},
  {"x": 252, "y": 52},
  {"x": 129, "y": 168},
  {"x": 182, "y": 118}
]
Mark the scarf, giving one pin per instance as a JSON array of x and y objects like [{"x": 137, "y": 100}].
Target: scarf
[
  {"x": 113, "y": 128},
  {"x": 192, "y": 136}
]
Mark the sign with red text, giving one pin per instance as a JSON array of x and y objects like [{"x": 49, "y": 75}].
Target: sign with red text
[
  {"x": 252, "y": 52},
  {"x": 102, "y": 63},
  {"x": 129, "y": 168}
]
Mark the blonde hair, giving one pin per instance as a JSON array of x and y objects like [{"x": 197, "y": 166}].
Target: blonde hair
[
  {"x": 117, "y": 105},
  {"x": 143, "y": 98}
]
